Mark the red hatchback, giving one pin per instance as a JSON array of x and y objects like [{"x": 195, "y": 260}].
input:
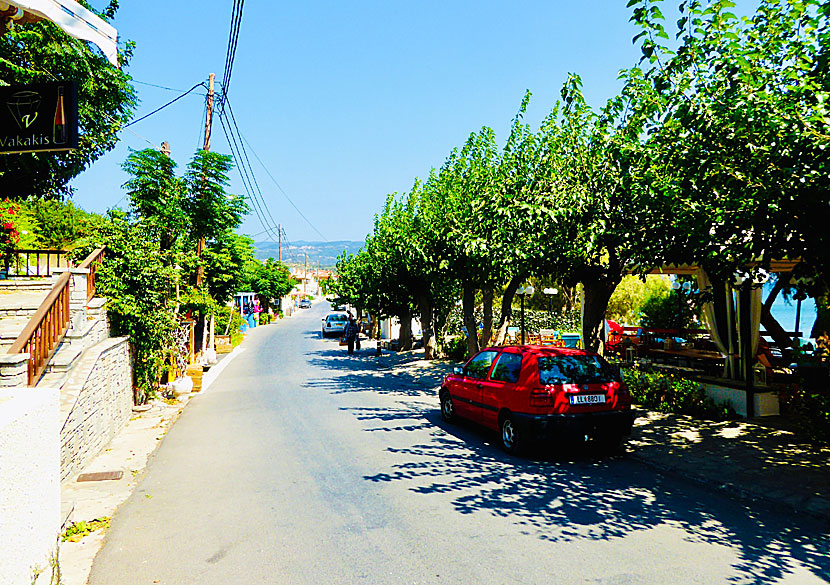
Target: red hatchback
[{"x": 533, "y": 392}]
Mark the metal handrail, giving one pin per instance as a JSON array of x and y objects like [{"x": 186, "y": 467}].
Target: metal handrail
[{"x": 47, "y": 327}]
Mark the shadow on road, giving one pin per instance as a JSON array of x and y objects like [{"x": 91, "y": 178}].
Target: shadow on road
[{"x": 561, "y": 496}]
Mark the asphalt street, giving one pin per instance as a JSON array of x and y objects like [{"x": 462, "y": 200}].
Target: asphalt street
[{"x": 302, "y": 465}]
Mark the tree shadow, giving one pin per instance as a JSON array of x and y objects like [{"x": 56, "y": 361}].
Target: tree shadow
[{"x": 565, "y": 495}]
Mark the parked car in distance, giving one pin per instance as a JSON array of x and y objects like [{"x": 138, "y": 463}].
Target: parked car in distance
[
  {"x": 529, "y": 393},
  {"x": 305, "y": 304},
  {"x": 334, "y": 324}
]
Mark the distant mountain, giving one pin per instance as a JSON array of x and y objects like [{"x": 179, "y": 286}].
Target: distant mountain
[{"x": 293, "y": 254}]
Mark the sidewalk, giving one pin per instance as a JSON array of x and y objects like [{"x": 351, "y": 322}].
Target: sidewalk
[
  {"x": 129, "y": 452},
  {"x": 759, "y": 459}
]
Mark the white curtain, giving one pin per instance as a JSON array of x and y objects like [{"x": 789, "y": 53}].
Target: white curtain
[
  {"x": 718, "y": 337},
  {"x": 76, "y": 21},
  {"x": 754, "y": 311}
]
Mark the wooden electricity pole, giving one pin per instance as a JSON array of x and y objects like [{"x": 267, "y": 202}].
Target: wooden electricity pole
[
  {"x": 200, "y": 246},
  {"x": 279, "y": 242}
]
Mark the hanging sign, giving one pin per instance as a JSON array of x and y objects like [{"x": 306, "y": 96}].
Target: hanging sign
[{"x": 39, "y": 117}]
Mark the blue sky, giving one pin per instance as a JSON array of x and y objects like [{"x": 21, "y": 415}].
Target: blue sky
[{"x": 347, "y": 102}]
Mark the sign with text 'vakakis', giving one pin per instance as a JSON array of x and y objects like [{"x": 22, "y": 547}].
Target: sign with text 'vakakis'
[{"x": 39, "y": 117}]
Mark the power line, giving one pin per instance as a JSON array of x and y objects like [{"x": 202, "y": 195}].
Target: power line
[
  {"x": 171, "y": 102},
  {"x": 230, "y": 109},
  {"x": 244, "y": 175},
  {"x": 158, "y": 86},
  {"x": 233, "y": 39}
]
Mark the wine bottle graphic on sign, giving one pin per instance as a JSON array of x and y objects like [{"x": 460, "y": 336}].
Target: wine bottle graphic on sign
[{"x": 59, "y": 132}]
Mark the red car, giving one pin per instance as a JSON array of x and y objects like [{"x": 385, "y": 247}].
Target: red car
[{"x": 533, "y": 392}]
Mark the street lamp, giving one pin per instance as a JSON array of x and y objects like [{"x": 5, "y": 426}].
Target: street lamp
[
  {"x": 549, "y": 292},
  {"x": 524, "y": 291}
]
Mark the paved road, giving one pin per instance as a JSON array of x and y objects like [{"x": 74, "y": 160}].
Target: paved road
[{"x": 304, "y": 466}]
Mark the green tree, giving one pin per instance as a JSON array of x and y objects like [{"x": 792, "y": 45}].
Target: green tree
[
  {"x": 741, "y": 127},
  {"x": 41, "y": 52},
  {"x": 271, "y": 281},
  {"x": 56, "y": 224},
  {"x": 140, "y": 286},
  {"x": 157, "y": 194}
]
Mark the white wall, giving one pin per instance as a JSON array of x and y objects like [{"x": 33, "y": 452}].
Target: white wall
[
  {"x": 30, "y": 503},
  {"x": 391, "y": 328}
]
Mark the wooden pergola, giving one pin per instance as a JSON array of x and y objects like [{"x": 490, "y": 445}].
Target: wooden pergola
[{"x": 744, "y": 357}]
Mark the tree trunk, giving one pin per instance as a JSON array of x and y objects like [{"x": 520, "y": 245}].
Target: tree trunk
[
  {"x": 427, "y": 327},
  {"x": 375, "y": 331},
  {"x": 405, "y": 338},
  {"x": 487, "y": 331},
  {"x": 468, "y": 300},
  {"x": 597, "y": 294},
  {"x": 822, "y": 324},
  {"x": 568, "y": 294},
  {"x": 507, "y": 308},
  {"x": 771, "y": 325}
]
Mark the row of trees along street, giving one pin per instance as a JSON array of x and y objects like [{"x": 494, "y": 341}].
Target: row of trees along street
[
  {"x": 149, "y": 273},
  {"x": 714, "y": 153}
]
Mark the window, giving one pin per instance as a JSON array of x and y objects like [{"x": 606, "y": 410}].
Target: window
[
  {"x": 480, "y": 364},
  {"x": 575, "y": 369},
  {"x": 508, "y": 368}
]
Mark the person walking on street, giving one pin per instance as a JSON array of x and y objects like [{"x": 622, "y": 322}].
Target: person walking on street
[{"x": 350, "y": 333}]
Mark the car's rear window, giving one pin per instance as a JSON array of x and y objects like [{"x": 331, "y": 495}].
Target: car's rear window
[
  {"x": 336, "y": 318},
  {"x": 575, "y": 369}
]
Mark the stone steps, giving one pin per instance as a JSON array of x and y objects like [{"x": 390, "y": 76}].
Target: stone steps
[{"x": 20, "y": 299}]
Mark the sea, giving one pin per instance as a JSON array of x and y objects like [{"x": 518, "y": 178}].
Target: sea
[{"x": 784, "y": 312}]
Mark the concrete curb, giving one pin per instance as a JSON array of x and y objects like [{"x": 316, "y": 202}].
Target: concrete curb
[
  {"x": 736, "y": 492},
  {"x": 213, "y": 373}
]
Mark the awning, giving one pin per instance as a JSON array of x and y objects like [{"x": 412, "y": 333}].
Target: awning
[{"x": 71, "y": 17}]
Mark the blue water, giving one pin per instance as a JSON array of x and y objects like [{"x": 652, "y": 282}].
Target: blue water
[{"x": 784, "y": 312}]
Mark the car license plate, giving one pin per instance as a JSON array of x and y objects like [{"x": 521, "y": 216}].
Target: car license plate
[{"x": 588, "y": 399}]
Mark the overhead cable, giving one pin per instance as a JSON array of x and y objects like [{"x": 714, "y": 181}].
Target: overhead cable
[{"x": 171, "y": 102}]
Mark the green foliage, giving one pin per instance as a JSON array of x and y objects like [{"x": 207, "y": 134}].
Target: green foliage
[
  {"x": 270, "y": 280},
  {"x": 669, "y": 393},
  {"x": 814, "y": 408},
  {"x": 225, "y": 261},
  {"x": 229, "y": 322},
  {"x": 78, "y": 530},
  {"x": 39, "y": 53},
  {"x": 156, "y": 194},
  {"x": 457, "y": 348},
  {"x": 141, "y": 290},
  {"x": 211, "y": 210},
  {"x": 668, "y": 309},
  {"x": 56, "y": 224},
  {"x": 626, "y": 304}
]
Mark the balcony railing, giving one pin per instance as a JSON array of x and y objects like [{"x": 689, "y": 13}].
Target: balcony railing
[
  {"x": 34, "y": 263},
  {"x": 45, "y": 330}
]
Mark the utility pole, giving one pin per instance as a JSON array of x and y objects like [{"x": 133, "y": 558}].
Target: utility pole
[
  {"x": 200, "y": 247},
  {"x": 279, "y": 242},
  {"x": 305, "y": 274}
]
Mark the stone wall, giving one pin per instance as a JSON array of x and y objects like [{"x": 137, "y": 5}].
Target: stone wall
[
  {"x": 29, "y": 488},
  {"x": 97, "y": 402}
]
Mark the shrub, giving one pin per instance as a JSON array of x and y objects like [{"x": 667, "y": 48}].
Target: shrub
[
  {"x": 457, "y": 348},
  {"x": 670, "y": 393}
]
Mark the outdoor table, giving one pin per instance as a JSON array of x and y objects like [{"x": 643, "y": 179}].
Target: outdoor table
[{"x": 708, "y": 359}]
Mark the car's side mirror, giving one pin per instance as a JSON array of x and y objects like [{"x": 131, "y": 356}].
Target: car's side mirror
[{"x": 458, "y": 370}]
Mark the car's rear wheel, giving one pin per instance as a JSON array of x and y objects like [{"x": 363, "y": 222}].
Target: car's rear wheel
[
  {"x": 447, "y": 407},
  {"x": 510, "y": 437}
]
